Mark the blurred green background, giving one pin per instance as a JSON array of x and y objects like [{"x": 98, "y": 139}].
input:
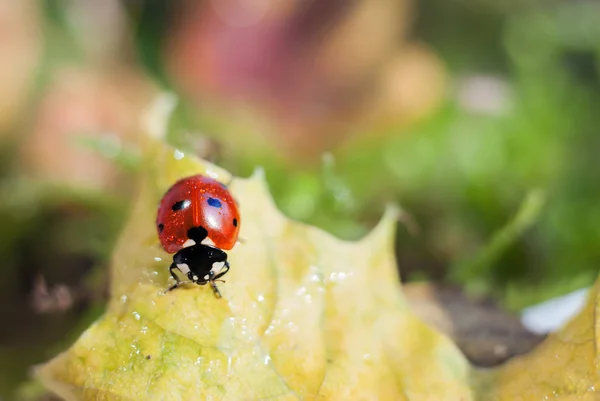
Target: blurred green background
[{"x": 479, "y": 117}]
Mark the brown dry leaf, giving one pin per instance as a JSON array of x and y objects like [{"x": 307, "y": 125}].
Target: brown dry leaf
[{"x": 304, "y": 315}]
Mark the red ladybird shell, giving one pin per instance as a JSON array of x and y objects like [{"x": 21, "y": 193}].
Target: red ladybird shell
[{"x": 197, "y": 201}]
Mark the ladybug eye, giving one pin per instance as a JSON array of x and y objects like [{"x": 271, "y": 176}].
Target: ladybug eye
[{"x": 183, "y": 204}]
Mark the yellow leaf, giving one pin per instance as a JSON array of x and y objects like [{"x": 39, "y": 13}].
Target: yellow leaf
[
  {"x": 303, "y": 315},
  {"x": 564, "y": 367}
]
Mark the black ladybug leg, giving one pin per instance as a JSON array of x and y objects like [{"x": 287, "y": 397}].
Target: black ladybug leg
[
  {"x": 215, "y": 289},
  {"x": 174, "y": 275},
  {"x": 223, "y": 271},
  {"x": 214, "y": 278}
]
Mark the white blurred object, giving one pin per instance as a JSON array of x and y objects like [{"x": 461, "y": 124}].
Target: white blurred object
[
  {"x": 551, "y": 315},
  {"x": 484, "y": 94}
]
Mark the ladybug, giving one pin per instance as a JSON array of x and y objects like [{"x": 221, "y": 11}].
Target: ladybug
[{"x": 197, "y": 221}]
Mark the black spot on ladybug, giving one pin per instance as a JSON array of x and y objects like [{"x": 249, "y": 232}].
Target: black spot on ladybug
[
  {"x": 161, "y": 227},
  {"x": 182, "y": 204},
  {"x": 214, "y": 202},
  {"x": 235, "y": 222},
  {"x": 197, "y": 234}
]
